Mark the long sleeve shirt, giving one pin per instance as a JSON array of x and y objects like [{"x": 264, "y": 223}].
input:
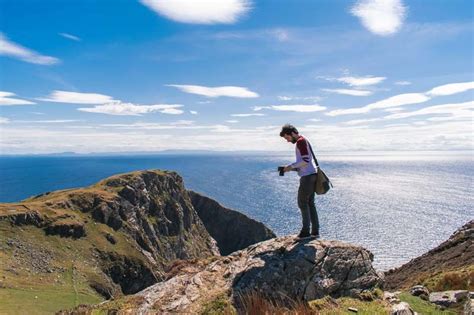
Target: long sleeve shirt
[{"x": 304, "y": 160}]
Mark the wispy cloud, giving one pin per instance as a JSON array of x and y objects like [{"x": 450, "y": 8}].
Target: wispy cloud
[
  {"x": 77, "y": 98},
  {"x": 246, "y": 115},
  {"x": 232, "y": 121},
  {"x": 11, "y": 49},
  {"x": 456, "y": 109},
  {"x": 394, "y": 101},
  {"x": 449, "y": 89},
  {"x": 129, "y": 109},
  {"x": 299, "y": 98},
  {"x": 70, "y": 36},
  {"x": 200, "y": 12},
  {"x": 407, "y": 99},
  {"x": 381, "y": 17},
  {"x": 4, "y": 120},
  {"x": 361, "y": 81},
  {"x": 230, "y": 91},
  {"x": 193, "y": 112},
  {"x": 349, "y": 92},
  {"x": 292, "y": 108},
  {"x": 6, "y": 99}
]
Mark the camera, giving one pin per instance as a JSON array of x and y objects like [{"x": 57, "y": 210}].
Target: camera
[{"x": 281, "y": 170}]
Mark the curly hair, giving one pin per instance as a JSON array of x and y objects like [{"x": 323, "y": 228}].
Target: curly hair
[{"x": 288, "y": 129}]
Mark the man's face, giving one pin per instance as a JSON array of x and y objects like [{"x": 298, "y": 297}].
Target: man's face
[{"x": 290, "y": 138}]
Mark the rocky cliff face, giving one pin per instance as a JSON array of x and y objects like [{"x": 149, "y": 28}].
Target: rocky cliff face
[
  {"x": 116, "y": 236},
  {"x": 455, "y": 253},
  {"x": 280, "y": 268},
  {"x": 232, "y": 230}
]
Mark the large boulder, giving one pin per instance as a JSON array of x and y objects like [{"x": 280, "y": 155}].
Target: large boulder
[{"x": 282, "y": 268}]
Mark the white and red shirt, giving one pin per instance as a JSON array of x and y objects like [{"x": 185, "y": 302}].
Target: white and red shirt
[{"x": 304, "y": 160}]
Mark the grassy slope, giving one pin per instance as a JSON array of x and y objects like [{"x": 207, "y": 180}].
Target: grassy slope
[{"x": 24, "y": 288}]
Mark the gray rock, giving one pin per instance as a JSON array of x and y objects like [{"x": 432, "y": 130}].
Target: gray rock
[
  {"x": 391, "y": 298},
  {"x": 448, "y": 298},
  {"x": 231, "y": 229},
  {"x": 279, "y": 268},
  {"x": 401, "y": 308},
  {"x": 420, "y": 291}
]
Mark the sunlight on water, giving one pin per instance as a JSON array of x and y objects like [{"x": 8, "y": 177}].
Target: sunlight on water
[{"x": 397, "y": 206}]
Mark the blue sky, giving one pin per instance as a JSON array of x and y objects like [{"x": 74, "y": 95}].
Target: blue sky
[{"x": 150, "y": 75}]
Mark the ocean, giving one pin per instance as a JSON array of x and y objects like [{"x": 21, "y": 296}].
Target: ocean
[{"x": 396, "y": 205}]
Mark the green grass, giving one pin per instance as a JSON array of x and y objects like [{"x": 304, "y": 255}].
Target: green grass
[
  {"x": 42, "y": 301},
  {"x": 340, "y": 306},
  {"x": 220, "y": 305},
  {"x": 423, "y": 307}
]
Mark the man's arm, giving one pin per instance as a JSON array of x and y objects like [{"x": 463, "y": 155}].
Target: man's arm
[{"x": 302, "y": 159}]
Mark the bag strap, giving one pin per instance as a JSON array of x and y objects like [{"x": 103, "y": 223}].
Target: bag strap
[
  {"x": 314, "y": 156},
  {"x": 317, "y": 165}
]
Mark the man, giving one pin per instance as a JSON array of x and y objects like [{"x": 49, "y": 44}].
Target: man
[{"x": 307, "y": 172}]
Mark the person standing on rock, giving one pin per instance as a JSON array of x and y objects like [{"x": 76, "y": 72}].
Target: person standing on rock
[{"x": 307, "y": 171}]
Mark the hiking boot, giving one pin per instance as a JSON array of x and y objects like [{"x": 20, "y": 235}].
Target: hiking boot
[
  {"x": 315, "y": 234},
  {"x": 304, "y": 234}
]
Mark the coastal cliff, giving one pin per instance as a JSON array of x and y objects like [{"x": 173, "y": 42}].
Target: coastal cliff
[
  {"x": 116, "y": 237},
  {"x": 231, "y": 229}
]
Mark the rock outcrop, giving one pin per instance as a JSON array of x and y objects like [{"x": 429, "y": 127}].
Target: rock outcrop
[
  {"x": 456, "y": 252},
  {"x": 281, "y": 268},
  {"x": 119, "y": 235},
  {"x": 231, "y": 229}
]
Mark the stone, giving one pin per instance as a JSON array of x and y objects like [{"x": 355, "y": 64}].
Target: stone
[
  {"x": 448, "y": 298},
  {"x": 401, "y": 308},
  {"x": 278, "y": 269},
  {"x": 420, "y": 291}
]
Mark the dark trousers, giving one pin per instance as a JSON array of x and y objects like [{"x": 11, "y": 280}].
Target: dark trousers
[{"x": 306, "y": 203}]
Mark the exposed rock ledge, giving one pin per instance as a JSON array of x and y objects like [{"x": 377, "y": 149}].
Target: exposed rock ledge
[{"x": 277, "y": 268}]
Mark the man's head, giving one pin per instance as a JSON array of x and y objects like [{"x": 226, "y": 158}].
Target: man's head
[{"x": 290, "y": 133}]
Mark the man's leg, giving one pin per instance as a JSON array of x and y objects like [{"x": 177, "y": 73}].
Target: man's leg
[
  {"x": 314, "y": 216},
  {"x": 303, "y": 203}
]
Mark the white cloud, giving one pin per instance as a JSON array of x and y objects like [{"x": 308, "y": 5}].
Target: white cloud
[
  {"x": 70, "y": 36},
  {"x": 381, "y": 17},
  {"x": 314, "y": 119},
  {"x": 360, "y": 121},
  {"x": 129, "y": 109},
  {"x": 299, "y": 108},
  {"x": 77, "y": 98},
  {"x": 246, "y": 115},
  {"x": 403, "y": 83},
  {"x": 193, "y": 112},
  {"x": 406, "y": 99},
  {"x": 4, "y": 120},
  {"x": 459, "y": 109},
  {"x": 299, "y": 98},
  {"x": 8, "y": 48},
  {"x": 393, "y": 109},
  {"x": 232, "y": 121},
  {"x": 6, "y": 99},
  {"x": 292, "y": 108},
  {"x": 200, "y": 12},
  {"x": 452, "y": 88},
  {"x": 230, "y": 91},
  {"x": 394, "y": 101},
  {"x": 360, "y": 81},
  {"x": 349, "y": 92}
]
